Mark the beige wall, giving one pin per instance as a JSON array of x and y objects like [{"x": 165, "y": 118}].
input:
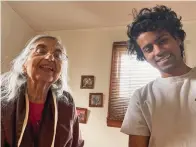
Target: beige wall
[
  {"x": 190, "y": 49},
  {"x": 14, "y": 34},
  {"x": 90, "y": 52}
]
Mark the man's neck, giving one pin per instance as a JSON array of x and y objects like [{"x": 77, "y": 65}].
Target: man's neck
[{"x": 178, "y": 71}]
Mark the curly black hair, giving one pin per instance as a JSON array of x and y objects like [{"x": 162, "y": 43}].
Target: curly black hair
[{"x": 158, "y": 18}]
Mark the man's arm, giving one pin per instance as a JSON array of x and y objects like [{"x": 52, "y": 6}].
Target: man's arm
[
  {"x": 138, "y": 141},
  {"x": 135, "y": 124}
]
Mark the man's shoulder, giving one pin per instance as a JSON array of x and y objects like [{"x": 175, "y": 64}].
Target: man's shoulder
[{"x": 146, "y": 91}]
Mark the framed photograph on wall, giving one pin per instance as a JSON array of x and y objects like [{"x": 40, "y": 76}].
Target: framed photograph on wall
[
  {"x": 96, "y": 100},
  {"x": 87, "y": 82},
  {"x": 82, "y": 114}
]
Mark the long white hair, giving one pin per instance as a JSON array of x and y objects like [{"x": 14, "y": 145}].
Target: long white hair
[{"x": 15, "y": 79}]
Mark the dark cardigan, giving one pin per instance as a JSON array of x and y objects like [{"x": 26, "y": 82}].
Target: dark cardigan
[{"x": 67, "y": 129}]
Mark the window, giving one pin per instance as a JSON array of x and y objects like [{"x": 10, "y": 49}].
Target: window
[{"x": 127, "y": 75}]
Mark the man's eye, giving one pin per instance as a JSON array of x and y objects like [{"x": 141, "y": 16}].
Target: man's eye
[
  {"x": 148, "y": 48},
  {"x": 163, "y": 41}
]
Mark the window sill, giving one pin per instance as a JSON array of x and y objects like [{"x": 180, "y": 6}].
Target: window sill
[{"x": 114, "y": 123}]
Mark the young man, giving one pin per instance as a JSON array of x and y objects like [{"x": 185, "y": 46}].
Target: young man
[{"x": 162, "y": 113}]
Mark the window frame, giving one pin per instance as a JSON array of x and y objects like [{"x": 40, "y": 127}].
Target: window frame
[{"x": 111, "y": 122}]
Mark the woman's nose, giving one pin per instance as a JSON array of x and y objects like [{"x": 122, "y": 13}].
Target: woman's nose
[{"x": 50, "y": 57}]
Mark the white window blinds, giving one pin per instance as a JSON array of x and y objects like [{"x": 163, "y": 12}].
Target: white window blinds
[{"x": 127, "y": 75}]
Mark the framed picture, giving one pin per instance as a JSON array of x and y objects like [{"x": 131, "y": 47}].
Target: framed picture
[
  {"x": 96, "y": 100},
  {"x": 82, "y": 114},
  {"x": 87, "y": 82}
]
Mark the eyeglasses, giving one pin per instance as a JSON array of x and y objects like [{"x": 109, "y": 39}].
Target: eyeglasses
[{"x": 58, "y": 54}]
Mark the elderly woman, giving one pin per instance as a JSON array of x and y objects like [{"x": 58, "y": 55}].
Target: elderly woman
[{"x": 36, "y": 109}]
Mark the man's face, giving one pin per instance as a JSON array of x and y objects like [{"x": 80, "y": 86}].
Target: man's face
[
  {"x": 161, "y": 50},
  {"x": 43, "y": 63}
]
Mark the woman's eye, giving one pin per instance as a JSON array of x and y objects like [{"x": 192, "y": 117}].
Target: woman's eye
[
  {"x": 57, "y": 55},
  {"x": 41, "y": 51}
]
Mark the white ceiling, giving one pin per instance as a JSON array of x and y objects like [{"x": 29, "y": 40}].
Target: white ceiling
[{"x": 62, "y": 15}]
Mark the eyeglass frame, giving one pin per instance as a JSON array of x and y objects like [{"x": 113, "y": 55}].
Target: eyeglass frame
[{"x": 37, "y": 53}]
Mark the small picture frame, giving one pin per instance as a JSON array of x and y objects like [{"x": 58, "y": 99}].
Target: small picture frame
[
  {"x": 96, "y": 100},
  {"x": 82, "y": 114},
  {"x": 87, "y": 82}
]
